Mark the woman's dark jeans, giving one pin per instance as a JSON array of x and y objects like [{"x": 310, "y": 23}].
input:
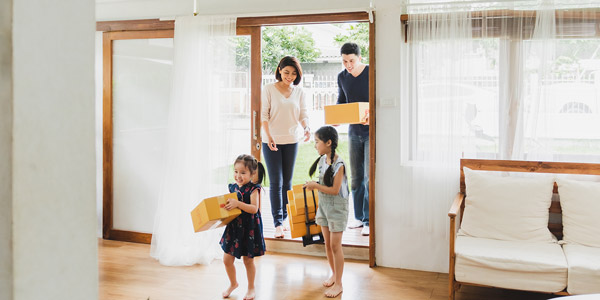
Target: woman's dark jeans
[{"x": 280, "y": 166}]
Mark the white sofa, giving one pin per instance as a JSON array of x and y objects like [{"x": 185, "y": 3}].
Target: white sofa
[{"x": 505, "y": 237}]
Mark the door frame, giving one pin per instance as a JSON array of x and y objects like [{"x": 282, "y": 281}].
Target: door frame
[
  {"x": 108, "y": 232},
  {"x": 139, "y": 29},
  {"x": 254, "y": 24}
]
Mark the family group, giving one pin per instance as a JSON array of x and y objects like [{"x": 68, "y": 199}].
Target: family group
[{"x": 285, "y": 123}]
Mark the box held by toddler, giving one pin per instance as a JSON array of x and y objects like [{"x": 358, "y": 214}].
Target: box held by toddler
[{"x": 211, "y": 213}]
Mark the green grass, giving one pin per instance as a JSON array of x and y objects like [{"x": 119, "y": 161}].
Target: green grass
[{"x": 307, "y": 156}]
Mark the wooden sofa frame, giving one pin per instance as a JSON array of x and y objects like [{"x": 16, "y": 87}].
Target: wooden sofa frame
[{"x": 458, "y": 205}]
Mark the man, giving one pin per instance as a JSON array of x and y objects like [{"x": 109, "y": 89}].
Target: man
[{"x": 353, "y": 84}]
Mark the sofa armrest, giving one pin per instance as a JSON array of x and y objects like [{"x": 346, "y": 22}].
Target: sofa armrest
[
  {"x": 452, "y": 285},
  {"x": 456, "y": 205}
]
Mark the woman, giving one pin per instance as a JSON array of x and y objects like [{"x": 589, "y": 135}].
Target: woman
[{"x": 284, "y": 116}]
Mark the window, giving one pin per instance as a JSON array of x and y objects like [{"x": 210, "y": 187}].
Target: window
[{"x": 515, "y": 86}]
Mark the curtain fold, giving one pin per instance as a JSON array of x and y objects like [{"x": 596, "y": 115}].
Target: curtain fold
[
  {"x": 439, "y": 48},
  {"x": 199, "y": 153}
]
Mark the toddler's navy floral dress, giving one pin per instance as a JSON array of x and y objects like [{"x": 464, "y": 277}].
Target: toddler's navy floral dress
[{"x": 244, "y": 235}]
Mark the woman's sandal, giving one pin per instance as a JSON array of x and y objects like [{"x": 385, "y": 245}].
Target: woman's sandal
[{"x": 280, "y": 235}]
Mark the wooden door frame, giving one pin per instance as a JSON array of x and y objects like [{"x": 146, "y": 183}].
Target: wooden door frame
[
  {"x": 154, "y": 28},
  {"x": 108, "y": 232},
  {"x": 255, "y": 24},
  {"x": 142, "y": 29}
]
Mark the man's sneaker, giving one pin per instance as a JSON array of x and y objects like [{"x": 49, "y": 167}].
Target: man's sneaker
[
  {"x": 355, "y": 224},
  {"x": 365, "y": 230}
]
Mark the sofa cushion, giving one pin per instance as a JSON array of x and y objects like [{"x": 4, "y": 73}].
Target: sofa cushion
[
  {"x": 531, "y": 266},
  {"x": 507, "y": 208},
  {"x": 584, "y": 269},
  {"x": 580, "y": 202}
]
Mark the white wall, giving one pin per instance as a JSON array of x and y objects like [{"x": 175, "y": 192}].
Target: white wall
[
  {"x": 53, "y": 161},
  {"x": 396, "y": 246},
  {"x": 148, "y": 9},
  {"x": 5, "y": 149}
]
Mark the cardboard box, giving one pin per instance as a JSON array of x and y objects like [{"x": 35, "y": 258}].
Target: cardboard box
[
  {"x": 294, "y": 211},
  {"x": 350, "y": 113},
  {"x": 297, "y": 201},
  {"x": 211, "y": 213},
  {"x": 298, "y": 225}
]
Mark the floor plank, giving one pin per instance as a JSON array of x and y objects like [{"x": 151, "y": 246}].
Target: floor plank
[{"x": 127, "y": 271}]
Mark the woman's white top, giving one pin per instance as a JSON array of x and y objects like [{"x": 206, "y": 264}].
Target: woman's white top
[{"x": 283, "y": 114}]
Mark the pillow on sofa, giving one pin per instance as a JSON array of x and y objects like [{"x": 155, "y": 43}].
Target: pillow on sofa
[
  {"x": 507, "y": 208},
  {"x": 580, "y": 203}
]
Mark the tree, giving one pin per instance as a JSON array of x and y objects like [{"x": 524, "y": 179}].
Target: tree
[
  {"x": 357, "y": 33},
  {"x": 278, "y": 42},
  {"x": 287, "y": 40}
]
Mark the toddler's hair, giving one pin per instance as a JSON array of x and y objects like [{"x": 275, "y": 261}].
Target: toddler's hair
[
  {"x": 326, "y": 133},
  {"x": 252, "y": 164}
]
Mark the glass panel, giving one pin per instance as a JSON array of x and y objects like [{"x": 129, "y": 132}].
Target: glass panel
[
  {"x": 236, "y": 102},
  {"x": 563, "y": 106},
  {"x": 468, "y": 104},
  {"x": 317, "y": 47},
  {"x": 141, "y": 91}
]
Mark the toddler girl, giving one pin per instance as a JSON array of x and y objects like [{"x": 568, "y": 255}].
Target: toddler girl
[{"x": 244, "y": 235}]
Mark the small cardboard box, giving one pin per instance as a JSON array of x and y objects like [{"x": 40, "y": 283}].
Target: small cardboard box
[
  {"x": 211, "y": 213},
  {"x": 298, "y": 225},
  {"x": 293, "y": 213},
  {"x": 297, "y": 201},
  {"x": 349, "y": 113}
]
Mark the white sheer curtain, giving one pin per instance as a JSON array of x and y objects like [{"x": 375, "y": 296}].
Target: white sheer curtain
[
  {"x": 439, "y": 62},
  {"x": 484, "y": 83},
  {"x": 198, "y": 145}
]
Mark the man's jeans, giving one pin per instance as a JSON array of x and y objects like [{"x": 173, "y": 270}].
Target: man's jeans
[{"x": 359, "y": 163}]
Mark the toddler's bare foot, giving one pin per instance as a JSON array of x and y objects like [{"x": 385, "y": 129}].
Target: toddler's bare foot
[
  {"x": 228, "y": 291},
  {"x": 329, "y": 282},
  {"x": 334, "y": 291},
  {"x": 250, "y": 295}
]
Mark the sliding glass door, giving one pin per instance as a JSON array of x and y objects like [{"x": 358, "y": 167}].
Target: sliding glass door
[{"x": 137, "y": 67}]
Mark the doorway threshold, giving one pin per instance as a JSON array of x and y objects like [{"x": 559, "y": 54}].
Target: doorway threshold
[{"x": 294, "y": 246}]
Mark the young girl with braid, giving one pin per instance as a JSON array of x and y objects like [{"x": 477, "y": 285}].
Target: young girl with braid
[
  {"x": 332, "y": 213},
  {"x": 243, "y": 237}
]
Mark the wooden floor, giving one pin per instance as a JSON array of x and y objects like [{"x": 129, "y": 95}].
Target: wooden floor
[
  {"x": 351, "y": 237},
  {"x": 128, "y": 272}
]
